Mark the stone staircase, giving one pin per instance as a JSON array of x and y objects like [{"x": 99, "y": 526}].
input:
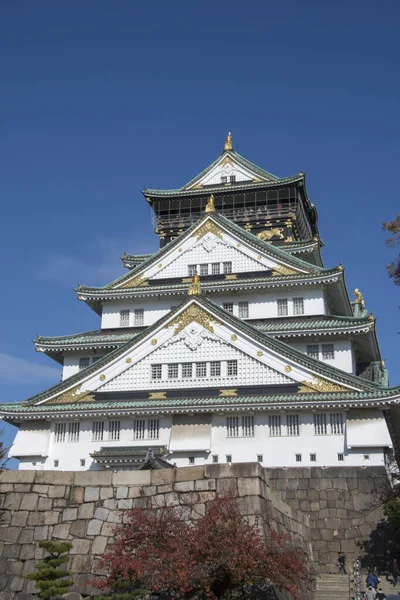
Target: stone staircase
[{"x": 333, "y": 587}]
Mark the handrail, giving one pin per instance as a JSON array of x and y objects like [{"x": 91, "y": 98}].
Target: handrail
[{"x": 357, "y": 580}]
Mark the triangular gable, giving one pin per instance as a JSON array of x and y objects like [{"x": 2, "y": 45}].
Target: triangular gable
[
  {"x": 210, "y": 240},
  {"x": 277, "y": 358}
]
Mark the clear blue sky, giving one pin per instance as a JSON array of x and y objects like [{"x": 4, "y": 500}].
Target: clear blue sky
[{"x": 99, "y": 99}]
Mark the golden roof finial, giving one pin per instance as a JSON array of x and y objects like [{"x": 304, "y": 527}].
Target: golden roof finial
[
  {"x": 359, "y": 297},
  {"x": 210, "y": 207},
  {"x": 194, "y": 287},
  {"x": 228, "y": 142}
]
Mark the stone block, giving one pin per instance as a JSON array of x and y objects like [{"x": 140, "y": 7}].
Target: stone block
[
  {"x": 161, "y": 489},
  {"x": 107, "y": 529},
  {"x": 121, "y": 478},
  {"x": 92, "y": 478},
  {"x": 23, "y": 596},
  {"x": 40, "y": 489},
  {"x": 61, "y": 531},
  {"x": 16, "y": 584},
  {"x": 12, "y": 501},
  {"x": 106, "y": 492},
  {"x": 70, "y": 514},
  {"x": 29, "y": 567},
  {"x": 59, "y": 503},
  {"x": 138, "y": 492},
  {"x": 126, "y": 504},
  {"x": 19, "y": 518},
  {"x": 19, "y": 476},
  {"x": 122, "y": 492},
  {"x": 26, "y": 536},
  {"x": 101, "y": 514},
  {"x": 99, "y": 545},
  {"x": 188, "y": 473},
  {"x": 27, "y": 552},
  {"x": 41, "y": 533},
  {"x": 51, "y": 517},
  {"x": 332, "y": 495},
  {"x": 94, "y": 527},
  {"x": 29, "y": 502},
  {"x": 227, "y": 485},
  {"x": 83, "y": 585},
  {"x": 92, "y": 494},
  {"x": 78, "y": 528},
  {"x": 314, "y": 506},
  {"x": 6, "y": 487},
  {"x": 76, "y": 495},
  {"x": 36, "y": 518},
  {"x": 15, "y": 567},
  {"x": 366, "y": 486},
  {"x": 352, "y": 484},
  {"x": 114, "y": 516},
  {"x": 111, "y": 504},
  {"x": 80, "y": 546},
  {"x": 11, "y": 551},
  {"x": 55, "y": 478},
  {"x": 9, "y": 534},
  {"x": 81, "y": 563},
  {"x": 184, "y": 486},
  {"x": 360, "y": 502},
  {"x": 248, "y": 486},
  {"x": 150, "y": 490},
  {"x": 22, "y": 487},
  {"x": 45, "y": 504},
  {"x": 86, "y": 511}
]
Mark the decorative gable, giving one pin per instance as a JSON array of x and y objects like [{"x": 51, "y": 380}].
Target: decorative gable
[{"x": 227, "y": 170}]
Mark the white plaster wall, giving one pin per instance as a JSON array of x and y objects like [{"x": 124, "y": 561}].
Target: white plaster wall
[
  {"x": 153, "y": 310},
  {"x": 344, "y": 358},
  {"x": 276, "y": 451},
  {"x": 71, "y": 362}
]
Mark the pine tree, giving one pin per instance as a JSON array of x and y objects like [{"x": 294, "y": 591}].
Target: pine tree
[{"x": 50, "y": 579}]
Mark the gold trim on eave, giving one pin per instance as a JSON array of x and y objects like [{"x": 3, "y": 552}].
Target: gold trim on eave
[
  {"x": 284, "y": 271},
  {"x": 207, "y": 227},
  {"x": 72, "y": 396},
  {"x": 190, "y": 314},
  {"x": 320, "y": 385},
  {"x": 135, "y": 282}
]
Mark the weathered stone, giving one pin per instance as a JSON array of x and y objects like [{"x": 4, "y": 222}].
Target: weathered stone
[
  {"x": 126, "y": 504},
  {"x": 92, "y": 494},
  {"x": 29, "y": 502},
  {"x": 83, "y": 584},
  {"x": 78, "y": 528},
  {"x": 72, "y": 596},
  {"x": 41, "y": 533},
  {"x": 137, "y": 492},
  {"x": 59, "y": 503},
  {"x": 111, "y": 504},
  {"x": 26, "y": 536},
  {"x": 93, "y": 478},
  {"x": 76, "y": 495},
  {"x": 36, "y": 518},
  {"x": 122, "y": 492},
  {"x": 9, "y": 534},
  {"x": 23, "y": 596},
  {"x": 101, "y": 514},
  {"x": 107, "y": 529},
  {"x": 105, "y": 493},
  {"x": 150, "y": 490},
  {"x": 16, "y": 584},
  {"x": 19, "y": 518},
  {"x": 86, "y": 511},
  {"x": 45, "y": 504},
  {"x": 99, "y": 545},
  {"x": 70, "y": 514},
  {"x": 15, "y": 567},
  {"x": 12, "y": 501},
  {"x": 80, "y": 546},
  {"x": 11, "y": 551},
  {"x": 161, "y": 489},
  {"x": 61, "y": 531},
  {"x": 41, "y": 489},
  {"x": 81, "y": 563},
  {"x": 51, "y": 517},
  {"x": 27, "y": 551},
  {"x": 6, "y": 487},
  {"x": 94, "y": 527},
  {"x": 55, "y": 478}
]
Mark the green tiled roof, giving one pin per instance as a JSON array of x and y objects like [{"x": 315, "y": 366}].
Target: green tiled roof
[
  {"x": 97, "y": 337},
  {"x": 129, "y": 451},
  {"x": 312, "y": 323}
]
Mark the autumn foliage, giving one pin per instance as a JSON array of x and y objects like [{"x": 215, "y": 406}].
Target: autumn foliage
[
  {"x": 206, "y": 557},
  {"x": 393, "y": 227}
]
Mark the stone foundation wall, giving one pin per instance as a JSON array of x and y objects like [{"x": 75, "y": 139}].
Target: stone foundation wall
[{"x": 83, "y": 507}]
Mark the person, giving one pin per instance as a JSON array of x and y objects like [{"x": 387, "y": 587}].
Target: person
[
  {"x": 395, "y": 571},
  {"x": 380, "y": 595},
  {"x": 372, "y": 579},
  {"x": 342, "y": 563},
  {"x": 370, "y": 594}
]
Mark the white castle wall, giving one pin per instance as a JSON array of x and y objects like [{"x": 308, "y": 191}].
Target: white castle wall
[{"x": 344, "y": 356}]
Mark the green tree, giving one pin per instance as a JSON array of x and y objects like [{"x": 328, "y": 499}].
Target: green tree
[
  {"x": 50, "y": 579},
  {"x": 393, "y": 227},
  {"x": 392, "y": 512}
]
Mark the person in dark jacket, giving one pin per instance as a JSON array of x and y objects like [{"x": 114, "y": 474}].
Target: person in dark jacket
[
  {"x": 372, "y": 579},
  {"x": 380, "y": 595},
  {"x": 342, "y": 563},
  {"x": 395, "y": 571}
]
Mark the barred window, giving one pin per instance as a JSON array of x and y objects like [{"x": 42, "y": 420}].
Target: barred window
[
  {"x": 340, "y": 456},
  {"x": 328, "y": 351},
  {"x": 82, "y": 462},
  {"x": 313, "y": 351},
  {"x": 156, "y": 371},
  {"x": 73, "y": 432},
  {"x": 173, "y": 371},
  {"x": 124, "y": 318},
  {"x": 84, "y": 363},
  {"x": 243, "y": 310},
  {"x": 232, "y": 178},
  {"x": 228, "y": 458},
  {"x": 114, "y": 429},
  {"x": 298, "y": 306},
  {"x": 227, "y": 268},
  {"x": 248, "y": 426},
  {"x": 139, "y": 316},
  {"x": 260, "y": 458},
  {"x": 282, "y": 307},
  {"x": 215, "y": 458},
  {"x": 215, "y": 268},
  {"x": 203, "y": 270},
  {"x": 292, "y": 423},
  {"x": 336, "y": 423},
  {"x": 98, "y": 431},
  {"x": 320, "y": 424},
  {"x": 56, "y": 463},
  {"x": 275, "y": 425},
  {"x": 60, "y": 434},
  {"x": 232, "y": 425},
  {"x": 187, "y": 370},
  {"x": 298, "y": 457},
  {"x": 191, "y": 460},
  {"x": 231, "y": 368},
  {"x": 313, "y": 458},
  {"x": 192, "y": 270},
  {"x": 139, "y": 429},
  {"x": 228, "y": 306},
  {"x": 224, "y": 179},
  {"x": 215, "y": 369},
  {"x": 153, "y": 429},
  {"x": 201, "y": 369},
  {"x": 95, "y": 359}
]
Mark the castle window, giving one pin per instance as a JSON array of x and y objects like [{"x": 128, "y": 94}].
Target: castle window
[
  {"x": 156, "y": 371},
  {"x": 232, "y": 178},
  {"x": 282, "y": 307},
  {"x": 292, "y": 424},
  {"x": 336, "y": 423},
  {"x": 328, "y": 352},
  {"x": 201, "y": 369},
  {"x": 224, "y": 179},
  {"x": 95, "y": 359},
  {"x": 215, "y": 369},
  {"x": 228, "y": 306},
  {"x": 243, "y": 310},
  {"x": 173, "y": 371},
  {"x": 192, "y": 270},
  {"x": 98, "y": 431},
  {"x": 320, "y": 424},
  {"x": 260, "y": 458},
  {"x": 228, "y": 458},
  {"x": 61, "y": 431},
  {"x": 114, "y": 429},
  {"x": 231, "y": 368},
  {"x": 153, "y": 427},
  {"x": 215, "y": 458},
  {"x": 298, "y": 457},
  {"x": 139, "y": 316},
  {"x": 124, "y": 318},
  {"x": 313, "y": 458},
  {"x": 56, "y": 463},
  {"x": 84, "y": 363},
  {"x": 191, "y": 460},
  {"x": 73, "y": 432},
  {"x": 203, "y": 270},
  {"x": 139, "y": 429},
  {"x": 275, "y": 425},
  {"x": 83, "y": 462},
  {"x": 227, "y": 267},
  {"x": 298, "y": 306},
  {"x": 232, "y": 425},
  {"x": 215, "y": 268},
  {"x": 366, "y": 456},
  {"x": 313, "y": 351},
  {"x": 187, "y": 370},
  {"x": 340, "y": 456},
  {"x": 248, "y": 426}
]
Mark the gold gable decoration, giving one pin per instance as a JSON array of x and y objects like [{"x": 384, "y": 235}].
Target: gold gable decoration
[
  {"x": 277, "y": 271},
  {"x": 72, "y": 396},
  {"x": 320, "y": 385},
  {"x": 267, "y": 234},
  {"x": 194, "y": 287},
  {"x": 135, "y": 282},
  {"x": 208, "y": 226},
  {"x": 193, "y": 314}
]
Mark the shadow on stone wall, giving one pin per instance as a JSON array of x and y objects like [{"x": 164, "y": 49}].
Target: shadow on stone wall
[{"x": 380, "y": 547}]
